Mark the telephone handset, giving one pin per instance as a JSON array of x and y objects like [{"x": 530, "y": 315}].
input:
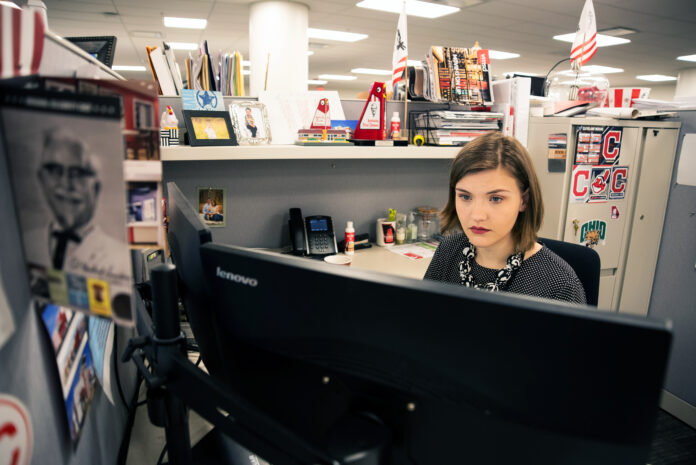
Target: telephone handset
[{"x": 313, "y": 235}]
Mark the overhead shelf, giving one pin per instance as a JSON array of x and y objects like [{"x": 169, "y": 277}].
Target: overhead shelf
[{"x": 296, "y": 152}]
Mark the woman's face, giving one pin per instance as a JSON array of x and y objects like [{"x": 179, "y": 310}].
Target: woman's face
[{"x": 488, "y": 203}]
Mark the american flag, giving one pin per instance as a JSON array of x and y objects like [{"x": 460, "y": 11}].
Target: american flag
[
  {"x": 400, "y": 55},
  {"x": 21, "y": 41},
  {"x": 585, "y": 43}
]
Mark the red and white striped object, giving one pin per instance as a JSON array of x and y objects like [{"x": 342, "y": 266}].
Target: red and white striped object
[
  {"x": 400, "y": 55},
  {"x": 585, "y": 43},
  {"x": 21, "y": 41},
  {"x": 623, "y": 97}
]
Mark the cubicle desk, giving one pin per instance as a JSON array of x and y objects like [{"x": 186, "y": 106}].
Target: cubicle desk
[{"x": 384, "y": 261}]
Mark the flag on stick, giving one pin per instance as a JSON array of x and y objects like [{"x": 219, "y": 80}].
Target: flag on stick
[
  {"x": 400, "y": 54},
  {"x": 585, "y": 43}
]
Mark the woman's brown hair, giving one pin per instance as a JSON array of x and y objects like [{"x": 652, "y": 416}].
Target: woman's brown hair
[{"x": 489, "y": 152}]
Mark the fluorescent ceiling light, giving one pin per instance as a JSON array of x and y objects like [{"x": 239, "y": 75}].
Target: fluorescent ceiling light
[
  {"x": 656, "y": 77},
  {"x": 246, "y": 72},
  {"x": 413, "y": 7},
  {"x": 11, "y": 5},
  {"x": 592, "y": 69},
  {"x": 183, "y": 45},
  {"x": 379, "y": 72},
  {"x": 246, "y": 63},
  {"x": 602, "y": 40},
  {"x": 185, "y": 23},
  {"x": 498, "y": 55},
  {"x": 341, "y": 36},
  {"x": 317, "y": 82},
  {"x": 337, "y": 77},
  {"x": 687, "y": 58},
  {"x": 309, "y": 53},
  {"x": 414, "y": 63},
  {"x": 127, "y": 68}
]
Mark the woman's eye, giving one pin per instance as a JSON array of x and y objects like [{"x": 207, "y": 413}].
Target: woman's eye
[
  {"x": 465, "y": 196},
  {"x": 496, "y": 199}
]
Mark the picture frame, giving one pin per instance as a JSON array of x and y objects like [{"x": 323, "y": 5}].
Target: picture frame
[
  {"x": 211, "y": 206},
  {"x": 209, "y": 128},
  {"x": 250, "y": 121}
]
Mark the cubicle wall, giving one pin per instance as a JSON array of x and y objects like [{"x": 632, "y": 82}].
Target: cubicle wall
[
  {"x": 260, "y": 192},
  {"x": 673, "y": 296}
]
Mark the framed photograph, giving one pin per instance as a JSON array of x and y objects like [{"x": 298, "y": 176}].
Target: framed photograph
[
  {"x": 250, "y": 122},
  {"x": 209, "y": 128},
  {"x": 211, "y": 206}
]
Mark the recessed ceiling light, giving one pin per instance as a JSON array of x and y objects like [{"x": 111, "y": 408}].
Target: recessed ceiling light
[
  {"x": 617, "y": 31},
  {"x": 317, "y": 82},
  {"x": 498, "y": 55},
  {"x": 687, "y": 58},
  {"x": 337, "y": 77},
  {"x": 185, "y": 23},
  {"x": 413, "y": 7},
  {"x": 309, "y": 53},
  {"x": 11, "y": 5},
  {"x": 602, "y": 40},
  {"x": 246, "y": 72},
  {"x": 656, "y": 77},
  {"x": 600, "y": 69},
  {"x": 127, "y": 68},
  {"x": 341, "y": 36},
  {"x": 379, "y": 72},
  {"x": 183, "y": 45}
]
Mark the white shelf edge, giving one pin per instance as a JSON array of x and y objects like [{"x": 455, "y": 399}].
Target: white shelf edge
[
  {"x": 143, "y": 224},
  {"x": 295, "y": 152},
  {"x": 142, "y": 170}
]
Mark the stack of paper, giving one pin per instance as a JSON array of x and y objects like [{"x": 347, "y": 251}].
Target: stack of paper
[{"x": 455, "y": 127}]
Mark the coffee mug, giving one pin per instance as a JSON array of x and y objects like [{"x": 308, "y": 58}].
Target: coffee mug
[{"x": 386, "y": 232}]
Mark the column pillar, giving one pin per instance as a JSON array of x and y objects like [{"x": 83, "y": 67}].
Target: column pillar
[
  {"x": 686, "y": 84},
  {"x": 278, "y": 28}
]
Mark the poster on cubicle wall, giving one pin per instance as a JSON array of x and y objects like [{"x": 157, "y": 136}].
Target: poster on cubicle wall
[{"x": 65, "y": 157}]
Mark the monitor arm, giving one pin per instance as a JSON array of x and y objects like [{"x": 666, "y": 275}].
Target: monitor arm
[{"x": 174, "y": 383}]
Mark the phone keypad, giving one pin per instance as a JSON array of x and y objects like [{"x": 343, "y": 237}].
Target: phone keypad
[{"x": 320, "y": 244}]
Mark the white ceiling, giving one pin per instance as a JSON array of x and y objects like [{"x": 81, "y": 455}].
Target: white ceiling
[{"x": 666, "y": 29}]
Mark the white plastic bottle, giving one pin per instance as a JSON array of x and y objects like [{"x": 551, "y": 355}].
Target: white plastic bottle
[
  {"x": 395, "y": 126},
  {"x": 350, "y": 239}
]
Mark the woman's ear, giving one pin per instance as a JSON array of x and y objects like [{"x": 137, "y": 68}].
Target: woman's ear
[{"x": 525, "y": 200}]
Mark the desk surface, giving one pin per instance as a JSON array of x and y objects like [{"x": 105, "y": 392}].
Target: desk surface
[{"x": 384, "y": 261}]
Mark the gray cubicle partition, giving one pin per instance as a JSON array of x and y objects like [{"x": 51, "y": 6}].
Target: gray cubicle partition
[
  {"x": 673, "y": 295},
  {"x": 260, "y": 192}
]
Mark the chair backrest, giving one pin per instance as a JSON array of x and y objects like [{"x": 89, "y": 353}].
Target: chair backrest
[{"x": 583, "y": 260}]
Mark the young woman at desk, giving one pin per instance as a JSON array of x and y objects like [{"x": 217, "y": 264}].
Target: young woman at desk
[{"x": 490, "y": 225}]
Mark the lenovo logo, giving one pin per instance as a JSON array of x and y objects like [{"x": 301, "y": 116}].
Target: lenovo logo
[{"x": 237, "y": 278}]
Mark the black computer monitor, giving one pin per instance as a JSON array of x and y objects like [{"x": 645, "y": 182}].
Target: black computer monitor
[{"x": 453, "y": 375}]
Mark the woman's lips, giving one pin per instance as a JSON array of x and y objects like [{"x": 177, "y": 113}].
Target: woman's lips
[{"x": 477, "y": 230}]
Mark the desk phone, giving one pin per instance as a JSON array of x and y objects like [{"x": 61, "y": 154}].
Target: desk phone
[{"x": 313, "y": 235}]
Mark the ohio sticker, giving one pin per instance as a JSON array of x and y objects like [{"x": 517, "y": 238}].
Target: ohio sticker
[
  {"x": 580, "y": 184},
  {"x": 599, "y": 184},
  {"x": 16, "y": 434},
  {"x": 593, "y": 233},
  {"x": 619, "y": 179}
]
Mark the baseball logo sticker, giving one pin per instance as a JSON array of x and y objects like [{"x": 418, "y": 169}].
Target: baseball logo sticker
[
  {"x": 599, "y": 184},
  {"x": 580, "y": 186},
  {"x": 619, "y": 178},
  {"x": 15, "y": 431}
]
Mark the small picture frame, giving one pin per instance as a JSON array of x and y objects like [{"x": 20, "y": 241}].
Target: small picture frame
[
  {"x": 211, "y": 206},
  {"x": 209, "y": 128},
  {"x": 250, "y": 121}
]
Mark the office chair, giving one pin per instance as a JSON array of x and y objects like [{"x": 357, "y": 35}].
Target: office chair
[{"x": 583, "y": 260}]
